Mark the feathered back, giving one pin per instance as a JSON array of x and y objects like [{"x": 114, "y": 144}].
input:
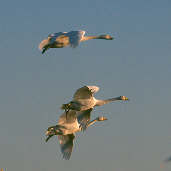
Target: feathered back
[{"x": 71, "y": 117}]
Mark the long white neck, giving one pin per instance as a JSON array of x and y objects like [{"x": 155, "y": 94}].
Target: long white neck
[
  {"x": 90, "y": 37},
  {"x": 102, "y": 102},
  {"x": 92, "y": 122}
]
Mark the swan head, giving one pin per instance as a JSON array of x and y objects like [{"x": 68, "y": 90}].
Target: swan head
[
  {"x": 107, "y": 37},
  {"x": 101, "y": 118},
  {"x": 124, "y": 98}
]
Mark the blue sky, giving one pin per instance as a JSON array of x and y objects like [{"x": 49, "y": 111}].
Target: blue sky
[{"x": 135, "y": 64}]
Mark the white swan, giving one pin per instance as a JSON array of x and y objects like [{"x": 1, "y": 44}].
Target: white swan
[
  {"x": 63, "y": 39},
  {"x": 66, "y": 129},
  {"x": 84, "y": 99}
]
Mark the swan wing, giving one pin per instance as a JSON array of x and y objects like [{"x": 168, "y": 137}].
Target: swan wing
[
  {"x": 66, "y": 144},
  {"x": 85, "y": 92},
  {"x": 43, "y": 43},
  {"x": 75, "y": 37},
  {"x": 82, "y": 93},
  {"x": 55, "y": 36},
  {"x": 93, "y": 89},
  {"x": 83, "y": 118},
  {"x": 71, "y": 117}
]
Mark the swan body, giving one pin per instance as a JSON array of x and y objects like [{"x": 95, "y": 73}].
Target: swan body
[
  {"x": 66, "y": 129},
  {"x": 63, "y": 39}
]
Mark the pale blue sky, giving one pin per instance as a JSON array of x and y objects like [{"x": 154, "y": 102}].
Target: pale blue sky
[{"x": 136, "y": 64}]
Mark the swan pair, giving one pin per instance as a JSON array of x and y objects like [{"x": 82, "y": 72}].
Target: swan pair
[{"x": 77, "y": 117}]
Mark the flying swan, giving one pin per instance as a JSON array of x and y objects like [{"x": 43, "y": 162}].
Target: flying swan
[
  {"x": 66, "y": 129},
  {"x": 84, "y": 99},
  {"x": 63, "y": 39}
]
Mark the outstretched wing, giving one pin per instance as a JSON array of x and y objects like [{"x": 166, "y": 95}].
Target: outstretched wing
[
  {"x": 93, "y": 89},
  {"x": 75, "y": 37},
  {"x": 83, "y": 118},
  {"x": 85, "y": 92},
  {"x": 71, "y": 117},
  {"x": 66, "y": 144}
]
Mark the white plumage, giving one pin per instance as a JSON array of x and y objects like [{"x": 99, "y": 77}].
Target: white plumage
[{"x": 63, "y": 39}]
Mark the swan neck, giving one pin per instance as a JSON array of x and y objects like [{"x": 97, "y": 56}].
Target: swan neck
[
  {"x": 102, "y": 102},
  {"x": 91, "y": 122},
  {"x": 89, "y": 38}
]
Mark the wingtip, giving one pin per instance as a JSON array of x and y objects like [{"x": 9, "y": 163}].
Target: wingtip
[{"x": 43, "y": 43}]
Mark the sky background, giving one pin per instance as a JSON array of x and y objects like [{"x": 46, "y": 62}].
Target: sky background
[{"x": 137, "y": 64}]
